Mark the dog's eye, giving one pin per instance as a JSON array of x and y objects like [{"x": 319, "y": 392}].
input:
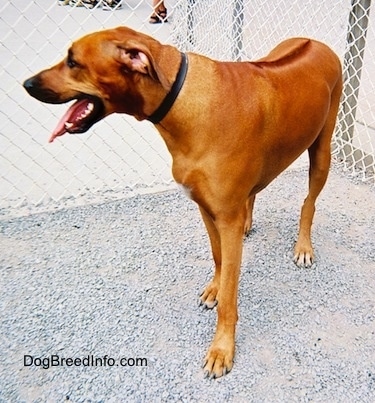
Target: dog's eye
[{"x": 71, "y": 63}]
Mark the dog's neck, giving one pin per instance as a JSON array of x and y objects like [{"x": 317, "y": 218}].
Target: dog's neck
[{"x": 170, "y": 98}]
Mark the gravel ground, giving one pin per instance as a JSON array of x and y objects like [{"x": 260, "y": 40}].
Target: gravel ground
[{"x": 121, "y": 279}]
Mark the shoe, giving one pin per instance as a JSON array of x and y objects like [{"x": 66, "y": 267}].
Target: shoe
[
  {"x": 108, "y": 5},
  {"x": 76, "y": 3},
  {"x": 159, "y": 16},
  {"x": 63, "y": 2},
  {"x": 83, "y": 3}
]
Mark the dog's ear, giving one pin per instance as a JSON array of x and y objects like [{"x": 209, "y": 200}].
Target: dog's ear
[
  {"x": 136, "y": 60},
  {"x": 138, "y": 57}
]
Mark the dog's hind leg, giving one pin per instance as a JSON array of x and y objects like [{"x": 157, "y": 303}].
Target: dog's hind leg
[
  {"x": 319, "y": 166},
  {"x": 320, "y": 159},
  {"x": 249, "y": 217}
]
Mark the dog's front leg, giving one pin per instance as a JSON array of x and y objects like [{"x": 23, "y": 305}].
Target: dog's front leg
[
  {"x": 219, "y": 358},
  {"x": 209, "y": 296}
]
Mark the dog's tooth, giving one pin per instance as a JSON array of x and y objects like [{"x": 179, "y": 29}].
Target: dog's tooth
[
  {"x": 68, "y": 125},
  {"x": 87, "y": 111}
]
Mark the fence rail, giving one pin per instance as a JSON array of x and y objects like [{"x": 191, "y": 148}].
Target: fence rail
[{"x": 120, "y": 155}]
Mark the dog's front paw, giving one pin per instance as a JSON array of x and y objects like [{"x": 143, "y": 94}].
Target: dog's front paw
[
  {"x": 208, "y": 298},
  {"x": 219, "y": 360}
]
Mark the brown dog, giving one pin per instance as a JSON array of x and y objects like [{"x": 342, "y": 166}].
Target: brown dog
[{"x": 231, "y": 129}]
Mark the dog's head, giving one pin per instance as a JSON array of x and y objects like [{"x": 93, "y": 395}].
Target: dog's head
[{"x": 111, "y": 71}]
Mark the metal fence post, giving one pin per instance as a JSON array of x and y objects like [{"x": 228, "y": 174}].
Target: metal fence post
[
  {"x": 353, "y": 63},
  {"x": 238, "y": 18},
  {"x": 190, "y": 22}
]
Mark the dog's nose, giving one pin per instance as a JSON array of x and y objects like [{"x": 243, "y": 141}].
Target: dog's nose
[
  {"x": 33, "y": 87},
  {"x": 29, "y": 84}
]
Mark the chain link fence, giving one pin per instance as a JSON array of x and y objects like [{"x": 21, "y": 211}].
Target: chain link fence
[{"x": 120, "y": 156}]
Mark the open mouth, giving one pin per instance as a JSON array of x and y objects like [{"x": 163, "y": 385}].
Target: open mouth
[{"x": 79, "y": 117}]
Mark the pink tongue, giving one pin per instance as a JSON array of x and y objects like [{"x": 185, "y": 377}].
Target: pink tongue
[{"x": 70, "y": 116}]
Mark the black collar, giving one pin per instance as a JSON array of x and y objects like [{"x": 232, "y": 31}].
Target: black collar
[{"x": 168, "y": 101}]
